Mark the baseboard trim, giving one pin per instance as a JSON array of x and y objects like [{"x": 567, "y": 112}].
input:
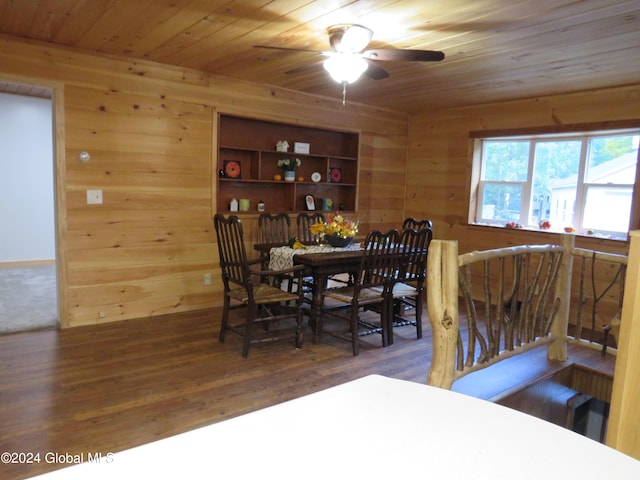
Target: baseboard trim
[{"x": 27, "y": 263}]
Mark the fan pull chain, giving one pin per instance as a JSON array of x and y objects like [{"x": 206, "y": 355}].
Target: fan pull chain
[{"x": 344, "y": 94}]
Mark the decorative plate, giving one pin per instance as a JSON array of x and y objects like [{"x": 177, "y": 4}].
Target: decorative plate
[
  {"x": 316, "y": 177},
  {"x": 232, "y": 169},
  {"x": 335, "y": 174}
]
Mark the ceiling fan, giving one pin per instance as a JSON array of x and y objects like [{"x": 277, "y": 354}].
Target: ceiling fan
[{"x": 348, "y": 60}]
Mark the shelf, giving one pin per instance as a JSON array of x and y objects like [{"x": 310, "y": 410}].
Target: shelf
[
  {"x": 282, "y": 182},
  {"x": 275, "y": 153},
  {"x": 247, "y": 151}
]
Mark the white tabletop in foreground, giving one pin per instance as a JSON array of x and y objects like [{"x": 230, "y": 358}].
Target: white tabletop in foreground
[{"x": 374, "y": 427}]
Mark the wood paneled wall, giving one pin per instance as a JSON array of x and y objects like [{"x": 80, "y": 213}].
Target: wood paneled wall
[
  {"x": 151, "y": 131},
  {"x": 439, "y": 167},
  {"x": 440, "y": 161}
]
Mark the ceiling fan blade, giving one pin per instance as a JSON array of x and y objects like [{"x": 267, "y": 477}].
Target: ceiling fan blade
[
  {"x": 320, "y": 52},
  {"x": 303, "y": 68},
  {"x": 392, "y": 54},
  {"x": 375, "y": 71}
]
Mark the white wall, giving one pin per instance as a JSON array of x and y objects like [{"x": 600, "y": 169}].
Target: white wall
[{"x": 26, "y": 179}]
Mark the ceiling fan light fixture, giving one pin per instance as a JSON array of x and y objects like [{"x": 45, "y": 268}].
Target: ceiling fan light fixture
[
  {"x": 349, "y": 38},
  {"x": 345, "y": 68},
  {"x": 348, "y": 59}
]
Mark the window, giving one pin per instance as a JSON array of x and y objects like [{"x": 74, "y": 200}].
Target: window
[{"x": 580, "y": 181}]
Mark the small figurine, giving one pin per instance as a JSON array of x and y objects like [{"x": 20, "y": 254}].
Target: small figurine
[{"x": 282, "y": 146}]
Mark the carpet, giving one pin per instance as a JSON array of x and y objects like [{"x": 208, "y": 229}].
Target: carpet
[{"x": 28, "y": 298}]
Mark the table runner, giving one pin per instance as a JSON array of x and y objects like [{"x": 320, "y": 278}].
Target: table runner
[{"x": 282, "y": 257}]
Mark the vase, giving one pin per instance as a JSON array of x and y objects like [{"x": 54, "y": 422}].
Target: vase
[
  {"x": 289, "y": 175},
  {"x": 336, "y": 241}
]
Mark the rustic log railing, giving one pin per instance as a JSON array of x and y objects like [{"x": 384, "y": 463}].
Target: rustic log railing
[
  {"x": 601, "y": 285},
  {"x": 514, "y": 299},
  {"x": 517, "y": 305}
]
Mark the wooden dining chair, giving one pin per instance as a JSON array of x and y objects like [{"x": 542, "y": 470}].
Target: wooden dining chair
[
  {"x": 263, "y": 302},
  {"x": 304, "y": 220},
  {"x": 407, "y": 291},
  {"x": 274, "y": 228},
  {"x": 371, "y": 286},
  {"x": 410, "y": 222}
]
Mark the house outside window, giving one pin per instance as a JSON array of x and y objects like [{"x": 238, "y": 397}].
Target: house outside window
[{"x": 581, "y": 182}]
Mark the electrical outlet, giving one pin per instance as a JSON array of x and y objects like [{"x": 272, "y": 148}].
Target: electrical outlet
[
  {"x": 94, "y": 197},
  {"x": 207, "y": 279}
]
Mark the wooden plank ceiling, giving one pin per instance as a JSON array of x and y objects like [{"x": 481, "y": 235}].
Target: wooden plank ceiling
[{"x": 495, "y": 49}]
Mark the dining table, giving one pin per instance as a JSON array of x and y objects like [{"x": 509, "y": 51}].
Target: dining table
[
  {"x": 371, "y": 427},
  {"x": 321, "y": 262}
]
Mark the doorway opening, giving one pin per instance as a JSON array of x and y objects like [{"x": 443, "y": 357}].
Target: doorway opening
[{"x": 28, "y": 271}]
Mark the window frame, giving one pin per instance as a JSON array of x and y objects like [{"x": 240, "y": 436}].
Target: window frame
[{"x": 583, "y": 134}]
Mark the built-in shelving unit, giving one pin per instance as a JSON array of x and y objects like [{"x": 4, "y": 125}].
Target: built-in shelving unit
[{"x": 247, "y": 148}]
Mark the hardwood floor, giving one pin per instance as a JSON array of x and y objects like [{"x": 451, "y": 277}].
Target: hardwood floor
[{"x": 106, "y": 388}]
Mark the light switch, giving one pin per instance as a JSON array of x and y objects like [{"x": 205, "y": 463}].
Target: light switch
[{"x": 94, "y": 197}]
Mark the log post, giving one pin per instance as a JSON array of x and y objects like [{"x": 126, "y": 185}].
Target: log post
[
  {"x": 442, "y": 305},
  {"x": 624, "y": 418},
  {"x": 557, "y": 349}
]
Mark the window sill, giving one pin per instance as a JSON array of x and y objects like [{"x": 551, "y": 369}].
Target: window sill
[{"x": 596, "y": 236}]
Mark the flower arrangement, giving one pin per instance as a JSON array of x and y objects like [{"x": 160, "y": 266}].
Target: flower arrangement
[
  {"x": 289, "y": 163},
  {"x": 336, "y": 224}
]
